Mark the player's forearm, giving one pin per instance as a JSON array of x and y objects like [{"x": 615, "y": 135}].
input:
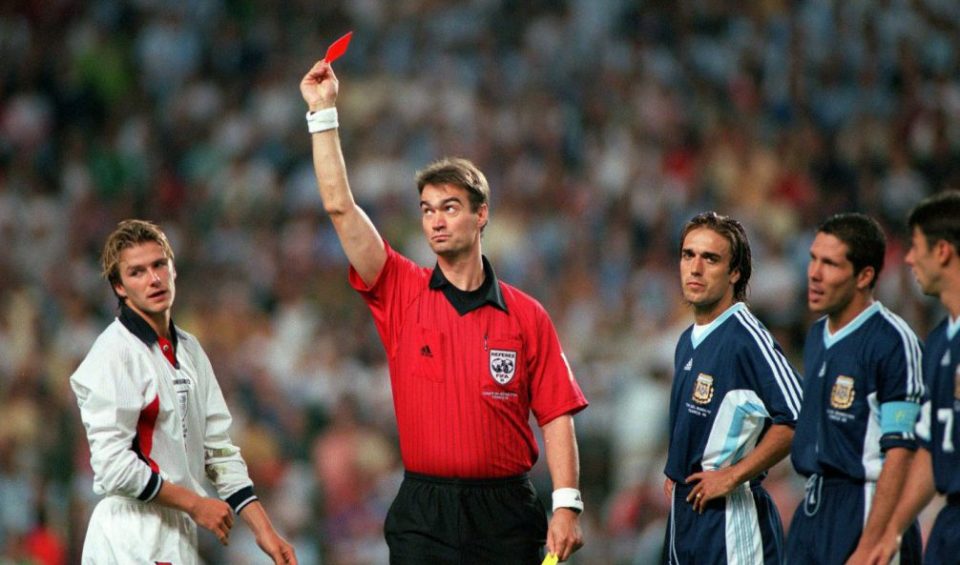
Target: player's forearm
[
  {"x": 177, "y": 497},
  {"x": 256, "y": 518},
  {"x": 918, "y": 490},
  {"x": 774, "y": 446},
  {"x": 563, "y": 459},
  {"x": 889, "y": 486}
]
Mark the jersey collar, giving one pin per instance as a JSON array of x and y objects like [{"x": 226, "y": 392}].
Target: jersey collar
[
  {"x": 831, "y": 338},
  {"x": 953, "y": 326},
  {"x": 140, "y": 328},
  {"x": 716, "y": 323},
  {"x": 467, "y": 301}
]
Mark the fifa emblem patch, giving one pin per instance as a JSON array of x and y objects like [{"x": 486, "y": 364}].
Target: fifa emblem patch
[
  {"x": 503, "y": 365},
  {"x": 703, "y": 389},
  {"x": 842, "y": 393}
]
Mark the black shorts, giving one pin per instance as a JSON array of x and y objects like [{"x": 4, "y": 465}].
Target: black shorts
[{"x": 457, "y": 521}]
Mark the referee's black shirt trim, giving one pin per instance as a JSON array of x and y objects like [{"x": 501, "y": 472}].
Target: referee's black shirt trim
[{"x": 465, "y": 301}]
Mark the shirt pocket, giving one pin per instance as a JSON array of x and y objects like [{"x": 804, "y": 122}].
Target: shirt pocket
[
  {"x": 506, "y": 366},
  {"x": 422, "y": 353}
]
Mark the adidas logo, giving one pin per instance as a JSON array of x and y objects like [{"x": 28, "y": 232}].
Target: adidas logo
[
  {"x": 689, "y": 365},
  {"x": 425, "y": 351},
  {"x": 946, "y": 359}
]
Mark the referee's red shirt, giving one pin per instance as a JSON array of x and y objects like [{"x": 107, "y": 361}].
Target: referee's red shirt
[{"x": 464, "y": 385}]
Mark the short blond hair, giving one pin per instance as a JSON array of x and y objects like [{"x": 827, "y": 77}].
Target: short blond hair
[{"x": 129, "y": 233}]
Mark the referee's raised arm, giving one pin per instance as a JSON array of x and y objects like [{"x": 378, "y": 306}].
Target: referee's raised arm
[{"x": 358, "y": 236}]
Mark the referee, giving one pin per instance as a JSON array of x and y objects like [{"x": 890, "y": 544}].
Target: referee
[{"x": 470, "y": 357}]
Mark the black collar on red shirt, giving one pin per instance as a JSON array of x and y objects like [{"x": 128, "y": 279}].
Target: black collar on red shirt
[
  {"x": 465, "y": 301},
  {"x": 140, "y": 328}
]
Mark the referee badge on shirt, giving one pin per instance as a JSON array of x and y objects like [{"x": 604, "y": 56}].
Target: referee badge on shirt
[
  {"x": 503, "y": 365},
  {"x": 703, "y": 389},
  {"x": 842, "y": 393}
]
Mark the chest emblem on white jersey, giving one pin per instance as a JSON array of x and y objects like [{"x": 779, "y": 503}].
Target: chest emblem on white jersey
[
  {"x": 503, "y": 365},
  {"x": 842, "y": 393},
  {"x": 703, "y": 389},
  {"x": 689, "y": 365}
]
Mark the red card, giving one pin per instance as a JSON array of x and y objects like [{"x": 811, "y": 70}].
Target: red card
[{"x": 337, "y": 48}]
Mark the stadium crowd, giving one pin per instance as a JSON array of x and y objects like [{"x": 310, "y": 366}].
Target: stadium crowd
[{"x": 602, "y": 127}]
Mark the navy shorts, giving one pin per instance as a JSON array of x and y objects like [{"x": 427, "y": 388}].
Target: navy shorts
[
  {"x": 439, "y": 521},
  {"x": 826, "y": 527},
  {"x": 744, "y": 527},
  {"x": 943, "y": 546}
]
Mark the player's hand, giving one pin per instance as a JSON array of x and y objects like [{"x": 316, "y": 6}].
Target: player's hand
[
  {"x": 214, "y": 515},
  {"x": 564, "y": 535},
  {"x": 885, "y": 549},
  {"x": 319, "y": 86},
  {"x": 277, "y": 548},
  {"x": 668, "y": 485},
  {"x": 710, "y": 485}
]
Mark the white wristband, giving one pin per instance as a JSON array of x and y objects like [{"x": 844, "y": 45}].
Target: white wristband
[
  {"x": 567, "y": 498},
  {"x": 322, "y": 120}
]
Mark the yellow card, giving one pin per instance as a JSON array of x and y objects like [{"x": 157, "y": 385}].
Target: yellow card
[{"x": 550, "y": 559}]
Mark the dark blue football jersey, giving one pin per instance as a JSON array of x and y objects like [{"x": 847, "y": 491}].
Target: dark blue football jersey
[
  {"x": 730, "y": 384},
  {"x": 939, "y": 423},
  {"x": 862, "y": 388}
]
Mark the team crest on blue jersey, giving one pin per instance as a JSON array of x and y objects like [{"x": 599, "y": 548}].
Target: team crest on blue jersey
[
  {"x": 703, "y": 389},
  {"x": 503, "y": 365},
  {"x": 842, "y": 393}
]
